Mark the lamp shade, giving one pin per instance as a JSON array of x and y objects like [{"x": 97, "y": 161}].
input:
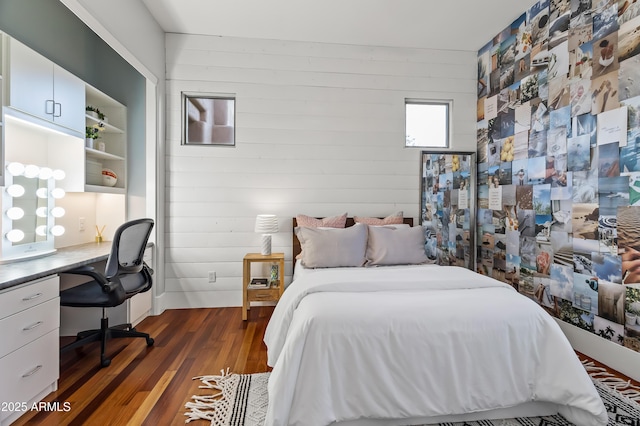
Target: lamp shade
[{"x": 266, "y": 224}]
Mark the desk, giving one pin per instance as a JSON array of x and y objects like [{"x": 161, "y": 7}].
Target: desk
[
  {"x": 64, "y": 259},
  {"x": 30, "y": 322}
]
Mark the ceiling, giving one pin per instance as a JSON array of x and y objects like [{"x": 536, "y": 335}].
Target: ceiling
[{"x": 443, "y": 24}]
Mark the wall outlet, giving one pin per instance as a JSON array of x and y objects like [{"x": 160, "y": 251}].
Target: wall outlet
[
  {"x": 212, "y": 276},
  {"x": 81, "y": 224}
]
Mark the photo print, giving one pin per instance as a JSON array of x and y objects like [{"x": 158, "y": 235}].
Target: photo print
[
  {"x": 608, "y": 160},
  {"x": 604, "y": 93},
  {"x": 529, "y": 87},
  {"x": 585, "y": 223},
  {"x": 537, "y": 170},
  {"x": 559, "y": 93},
  {"x": 520, "y": 150},
  {"x": 579, "y": 153},
  {"x": 522, "y": 118},
  {"x": 585, "y": 187},
  {"x": 537, "y": 144},
  {"x": 629, "y": 39},
  {"x": 629, "y": 77},
  {"x": 581, "y": 67},
  {"x": 538, "y": 17},
  {"x": 628, "y": 221},
  {"x": 562, "y": 248},
  {"x": 607, "y": 267},
  {"x": 609, "y": 330},
  {"x": 605, "y": 20},
  {"x": 561, "y": 284},
  {"x": 580, "y": 97},
  {"x": 605, "y": 55},
  {"x": 611, "y": 302},
  {"x": 561, "y": 212},
  {"x": 585, "y": 292}
]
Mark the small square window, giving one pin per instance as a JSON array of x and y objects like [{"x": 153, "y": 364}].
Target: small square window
[
  {"x": 427, "y": 123},
  {"x": 208, "y": 119}
]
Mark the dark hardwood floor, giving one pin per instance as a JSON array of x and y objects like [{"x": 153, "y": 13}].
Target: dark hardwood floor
[{"x": 150, "y": 385}]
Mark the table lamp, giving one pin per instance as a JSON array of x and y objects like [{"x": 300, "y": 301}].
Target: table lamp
[{"x": 266, "y": 224}]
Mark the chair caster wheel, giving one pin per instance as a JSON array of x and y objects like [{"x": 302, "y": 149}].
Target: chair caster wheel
[
  {"x": 105, "y": 363},
  {"x": 150, "y": 341}
]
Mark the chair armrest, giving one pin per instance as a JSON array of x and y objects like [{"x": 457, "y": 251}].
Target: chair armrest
[
  {"x": 151, "y": 272},
  {"x": 101, "y": 280}
]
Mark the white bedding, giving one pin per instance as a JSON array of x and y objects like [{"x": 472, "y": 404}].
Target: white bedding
[{"x": 417, "y": 343}]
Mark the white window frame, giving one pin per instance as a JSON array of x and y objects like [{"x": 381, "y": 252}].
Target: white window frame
[{"x": 446, "y": 132}]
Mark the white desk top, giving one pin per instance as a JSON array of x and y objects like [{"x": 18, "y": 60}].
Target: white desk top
[{"x": 64, "y": 259}]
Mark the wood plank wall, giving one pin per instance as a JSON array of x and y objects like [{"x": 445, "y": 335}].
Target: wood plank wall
[{"x": 319, "y": 131}]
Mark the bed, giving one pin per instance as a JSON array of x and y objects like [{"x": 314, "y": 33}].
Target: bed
[{"x": 415, "y": 344}]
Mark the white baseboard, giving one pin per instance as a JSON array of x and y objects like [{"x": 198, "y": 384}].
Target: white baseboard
[
  {"x": 201, "y": 299},
  {"x": 615, "y": 356}
]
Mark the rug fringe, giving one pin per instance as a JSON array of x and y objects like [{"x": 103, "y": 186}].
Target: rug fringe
[
  {"x": 215, "y": 408},
  {"x": 624, "y": 387}
]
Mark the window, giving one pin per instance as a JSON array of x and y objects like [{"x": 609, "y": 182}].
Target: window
[
  {"x": 427, "y": 123},
  {"x": 208, "y": 119}
]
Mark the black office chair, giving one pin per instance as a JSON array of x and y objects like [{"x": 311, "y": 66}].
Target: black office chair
[{"x": 126, "y": 274}]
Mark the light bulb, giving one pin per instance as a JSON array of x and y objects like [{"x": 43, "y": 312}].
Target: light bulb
[
  {"x": 15, "y": 190},
  {"x": 41, "y": 230},
  {"x": 15, "y": 235},
  {"x": 15, "y": 213},
  {"x": 57, "y": 230},
  {"x": 57, "y": 212},
  {"x": 31, "y": 171},
  {"x": 15, "y": 168},
  {"x": 42, "y": 193},
  {"x": 59, "y": 174},
  {"x": 58, "y": 193},
  {"x": 45, "y": 173},
  {"x": 41, "y": 212}
]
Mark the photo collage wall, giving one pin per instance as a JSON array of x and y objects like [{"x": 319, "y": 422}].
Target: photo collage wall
[
  {"x": 559, "y": 162},
  {"x": 447, "y": 204}
]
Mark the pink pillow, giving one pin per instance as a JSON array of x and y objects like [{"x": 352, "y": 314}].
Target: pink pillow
[
  {"x": 393, "y": 219},
  {"x": 304, "y": 221}
]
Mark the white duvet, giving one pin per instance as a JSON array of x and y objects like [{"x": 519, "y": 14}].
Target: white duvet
[{"x": 416, "y": 342}]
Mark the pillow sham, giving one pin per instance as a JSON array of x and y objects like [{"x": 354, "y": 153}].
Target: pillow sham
[
  {"x": 305, "y": 221},
  {"x": 393, "y": 219},
  {"x": 395, "y": 246},
  {"x": 331, "y": 248}
]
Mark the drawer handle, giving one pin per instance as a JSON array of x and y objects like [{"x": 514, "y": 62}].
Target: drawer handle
[
  {"x": 32, "y": 372},
  {"x": 32, "y": 326},
  {"x": 35, "y": 296}
]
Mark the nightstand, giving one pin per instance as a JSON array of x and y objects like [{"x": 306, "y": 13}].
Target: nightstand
[{"x": 268, "y": 294}]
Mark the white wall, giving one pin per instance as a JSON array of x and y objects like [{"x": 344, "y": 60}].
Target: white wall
[{"x": 319, "y": 131}]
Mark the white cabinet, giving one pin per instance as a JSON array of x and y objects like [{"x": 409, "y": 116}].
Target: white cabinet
[
  {"x": 109, "y": 151},
  {"x": 29, "y": 355},
  {"x": 42, "y": 89}
]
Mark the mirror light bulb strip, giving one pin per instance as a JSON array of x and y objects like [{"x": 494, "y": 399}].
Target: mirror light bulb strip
[
  {"x": 15, "y": 235},
  {"x": 31, "y": 171},
  {"x": 15, "y": 168},
  {"x": 58, "y": 193},
  {"x": 57, "y": 230},
  {"x": 15, "y": 190},
  {"x": 57, "y": 212},
  {"x": 15, "y": 213}
]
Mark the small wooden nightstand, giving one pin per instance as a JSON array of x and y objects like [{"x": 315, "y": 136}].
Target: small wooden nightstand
[{"x": 269, "y": 294}]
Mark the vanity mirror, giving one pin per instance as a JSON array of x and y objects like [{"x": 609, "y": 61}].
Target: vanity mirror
[{"x": 29, "y": 211}]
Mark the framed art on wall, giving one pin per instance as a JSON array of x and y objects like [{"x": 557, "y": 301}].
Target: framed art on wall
[{"x": 447, "y": 206}]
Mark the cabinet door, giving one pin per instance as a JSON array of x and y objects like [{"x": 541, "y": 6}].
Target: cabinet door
[
  {"x": 30, "y": 81},
  {"x": 68, "y": 92}
]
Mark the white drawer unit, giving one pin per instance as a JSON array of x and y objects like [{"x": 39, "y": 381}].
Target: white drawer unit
[
  {"x": 29, "y": 374},
  {"x": 29, "y": 352},
  {"x": 19, "y": 329}
]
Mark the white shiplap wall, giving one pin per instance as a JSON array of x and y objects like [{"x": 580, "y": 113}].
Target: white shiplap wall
[{"x": 319, "y": 131}]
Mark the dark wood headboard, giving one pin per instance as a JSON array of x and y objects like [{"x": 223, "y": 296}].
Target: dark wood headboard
[{"x": 350, "y": 222}]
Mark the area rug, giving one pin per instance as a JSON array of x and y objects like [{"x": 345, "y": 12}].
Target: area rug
[{"x": 241, "y": 400}]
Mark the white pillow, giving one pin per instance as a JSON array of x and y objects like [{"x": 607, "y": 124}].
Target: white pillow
[
  {"x": 331, "y": 248},
  {"x": 388, "y": 245}
]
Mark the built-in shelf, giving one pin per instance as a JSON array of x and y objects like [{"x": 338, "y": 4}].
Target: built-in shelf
[{"x": 102, "y": 155}]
